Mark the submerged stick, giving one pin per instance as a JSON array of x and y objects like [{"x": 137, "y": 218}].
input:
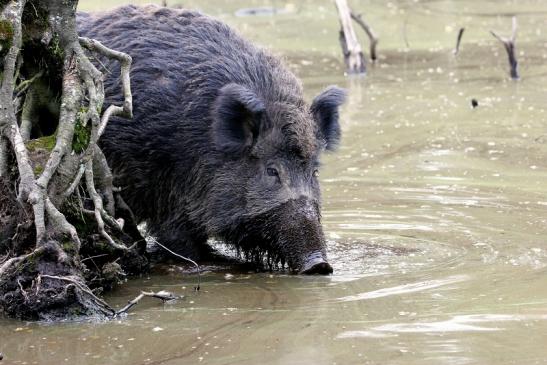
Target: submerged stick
[
  {"x": 163, "y": 295},
  {"x": 458, "y": 41},
  {"x": 509, "y": 44},
  {"x": 358, "y": 18}
]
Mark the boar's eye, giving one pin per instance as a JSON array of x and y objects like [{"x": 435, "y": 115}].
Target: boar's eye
[
  {"x": 315, "y": 173},
  {"x": 272, "y": 172}
]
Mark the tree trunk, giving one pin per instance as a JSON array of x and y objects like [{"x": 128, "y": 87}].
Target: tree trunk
[{"x": 59, "y": 239}]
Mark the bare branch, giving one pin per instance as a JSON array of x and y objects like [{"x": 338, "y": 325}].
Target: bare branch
[
  {"x": 181, "y": 257},
  {"x": 509, "y": 45},
  {"x": 163, "y": 295},
  {"x": 514, "y": 29},
  {"x": 370, "y": 33},
  {"x": 458, "y": 41},
  {"x": 353, "y": 55}
]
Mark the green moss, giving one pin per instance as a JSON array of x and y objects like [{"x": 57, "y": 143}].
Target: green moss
[
  {"x": 68, "y": 246},
  {"x": 55, "y": 48},
  {"x": 82, "y": 134},
  {"x": 6, "y": 35},
  {"x": 38, "y": 169},
  {"x": 46, "y": 143}
]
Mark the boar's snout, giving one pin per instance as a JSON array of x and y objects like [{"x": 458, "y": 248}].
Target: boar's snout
[
  {"x": 289, "y": 233},
  {"x": 315, "y": 263}
]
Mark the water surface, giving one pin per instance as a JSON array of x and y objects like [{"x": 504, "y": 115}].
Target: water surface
[{"x": 435, "y": 212}]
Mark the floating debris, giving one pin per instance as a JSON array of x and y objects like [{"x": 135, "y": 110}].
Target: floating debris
[
  {"x": 261, "y": 11},
  {"x": 474, "y": 103}
]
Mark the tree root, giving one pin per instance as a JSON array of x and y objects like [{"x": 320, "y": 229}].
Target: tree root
[{"x": 44, "y": 279}]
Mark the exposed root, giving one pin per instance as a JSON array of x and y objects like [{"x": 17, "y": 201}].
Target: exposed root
[
  {"x": 104, "y": 180},
  {"x": 125, "y": 61},
  {"x": 48, "y": 282},
  {"x": 76, "y": 281},
  {"x": 29, "y": 191},
  {"x": 70, "y": 190},
  {"x": 58, "y": 219},
  {"x": 99, "y": 210}
]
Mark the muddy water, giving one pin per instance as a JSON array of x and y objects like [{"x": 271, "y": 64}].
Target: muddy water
[{"x": 435, "y": 212}]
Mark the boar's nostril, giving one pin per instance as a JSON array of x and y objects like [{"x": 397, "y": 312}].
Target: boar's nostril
[{"x": 316, "y": 264}]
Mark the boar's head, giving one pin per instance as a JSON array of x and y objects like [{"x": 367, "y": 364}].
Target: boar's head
[{"x": 266, "y": 196}]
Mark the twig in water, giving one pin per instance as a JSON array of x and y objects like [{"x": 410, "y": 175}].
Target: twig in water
[
  {"x": 163, "y": 295},
  {"x": 370, "y": 33},
  {"x": 351, "y": 49},
  {"x": 458, "y": 41},
  {"x": 196, "y": 288},
  {"x": 94, "y": 257},
  {"x": 509, "y": 44}
]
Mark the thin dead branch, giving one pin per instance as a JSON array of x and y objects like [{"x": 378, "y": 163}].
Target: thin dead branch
[
  {"x": 373, "y": 38},
  {"x": 183, "y": 258},
  {"x": 353, "y": 54},
  {"x": 163, "y": 295},
  {"x": 509, "y": 45},
  {"x": 458, "y": 41}
]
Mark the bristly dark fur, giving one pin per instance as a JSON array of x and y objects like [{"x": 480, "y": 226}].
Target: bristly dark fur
[{"x": 212, "y": 115}]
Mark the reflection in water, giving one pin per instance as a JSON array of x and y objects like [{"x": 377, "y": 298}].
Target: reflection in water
[
  {"x": 455, "y": 324},
  {"x": 435, "y": 212},
  {"x": 404, "y": 289}
]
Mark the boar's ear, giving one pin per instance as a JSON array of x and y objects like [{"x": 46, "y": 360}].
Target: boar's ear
[
  {"x": 324, "y": 109},
  {"x": 236, "y": 116}
]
